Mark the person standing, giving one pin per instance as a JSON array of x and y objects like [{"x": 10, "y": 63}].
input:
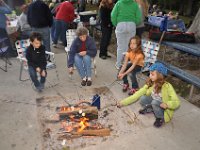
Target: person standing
[
  {"x": 5, "y": 9},
  {"x": 106, "y": 27},
  {"x": 144, "y": 7},
  {"x": 64, "y": 16},
  {"x": 40, "y": 19},
  {"x": 22, "y": 23},
  {"x": 125, "y": 16}
]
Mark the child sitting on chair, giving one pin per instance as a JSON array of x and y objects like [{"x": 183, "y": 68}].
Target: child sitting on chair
[
  {"x": 35, "y": 56},
  {"x": 157, "y": 96},
  {"x": 136, "y": 58},
  {"x": 82, "y": 50}
]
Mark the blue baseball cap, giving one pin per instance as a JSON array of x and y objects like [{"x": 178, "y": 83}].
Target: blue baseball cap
[{"x": 159, "y": 67}]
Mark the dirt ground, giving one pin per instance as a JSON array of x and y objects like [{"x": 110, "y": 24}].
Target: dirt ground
[{"x": 51, "y": 126}]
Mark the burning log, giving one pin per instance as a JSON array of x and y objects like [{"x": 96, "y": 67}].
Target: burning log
[
  {"x": 97, "y": 132},
  {"x": 81, "y": 111}
]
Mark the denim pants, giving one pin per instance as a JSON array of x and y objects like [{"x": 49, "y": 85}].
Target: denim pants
[
  {"x": 45, "y": 35},
  {"x": 105, "y": 40},
  {"x": 60, "y": 32},
  {"x": 124, "y": 31},
  {"x": 53, "y": 30},
  {"x": 83, "y": 65},
  {"x": 34, "y": 77},
  {"x": 133, "y": 75},
  {"x": 148, "y": 100}
]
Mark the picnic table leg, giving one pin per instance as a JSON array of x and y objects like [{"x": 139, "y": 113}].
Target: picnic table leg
[
  {"x": 163, "y": 55},
  {"x": 191, "y": 91}
]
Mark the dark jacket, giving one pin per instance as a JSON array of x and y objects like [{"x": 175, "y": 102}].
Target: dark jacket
[
  {"x": 105, "y": 14},
  {"x": 39, "y": 15},
  {"x": 36, "y": 57},
  {"x": 91, "y": 49},
  {"x": 4, "y": 10}
]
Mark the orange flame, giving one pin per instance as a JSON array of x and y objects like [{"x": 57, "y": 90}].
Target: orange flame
[{"x": 83, "y": 124}]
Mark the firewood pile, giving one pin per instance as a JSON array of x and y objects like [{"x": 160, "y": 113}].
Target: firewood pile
[
  {"x": 80, "y": 124},
  {"x": 80, "y": 121}
]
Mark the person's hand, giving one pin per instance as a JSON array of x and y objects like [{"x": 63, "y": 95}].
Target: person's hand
[
  {"x": 38, "y": 69},
  {"x": 121, "y": 75},
  {"x": 163, "y": 105},
  {"x": 119, "y": 105},
  {"x": 71, "y": 70},
  {"x": 43, "y": 73},
  {"x": 83, "y": 53}
]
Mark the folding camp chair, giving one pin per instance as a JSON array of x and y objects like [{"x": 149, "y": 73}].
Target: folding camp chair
[
  {"x": 21, "y": 46},
  {"x": 150, "y": 50},
  {"x": 4, "y": 54},
  {"x": 70, "y": 36}
]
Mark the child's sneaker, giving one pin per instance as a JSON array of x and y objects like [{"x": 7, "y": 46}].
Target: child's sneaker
[
  {"x": 42, "y": 86},
  {"x": 159, "y": 122},
  {"x": 125, "y": 87},
  {"x": 38, "y": 89},
  {"x": 89, "y": 82},
  {"x": 132, "y": 91},
  {"x": 54, "y": 45},
  {"x": 83, "y": 82}
]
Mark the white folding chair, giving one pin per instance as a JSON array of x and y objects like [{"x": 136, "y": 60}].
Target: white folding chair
[
  {"x": 150, "y": 50},
  {"x": 21, "y": 46},
  {"x": 70, "y": 36}
]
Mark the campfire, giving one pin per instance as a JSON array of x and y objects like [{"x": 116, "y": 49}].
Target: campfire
[{"x": 77, "y": 121}]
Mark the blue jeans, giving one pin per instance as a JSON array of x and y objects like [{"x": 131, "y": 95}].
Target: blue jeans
[
  {"x": 83, "y": 65},
  {"x": 133, "y": 76},
  {"x": 34, "y": 77},
  {"x": 53, "y": 29},
  {"x": 45, "y": 35},
  {"x": 60, "y": 32},
  {"x": 148, "y": 100},
  {"x": 124, "y": 31}
]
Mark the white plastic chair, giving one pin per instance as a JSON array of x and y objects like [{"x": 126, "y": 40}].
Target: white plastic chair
[
  {"x": 70, "y": 36},
  {"x": 21, "y": 46}
]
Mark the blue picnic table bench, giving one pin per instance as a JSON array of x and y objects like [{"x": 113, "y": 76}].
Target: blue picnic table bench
[
  {"x": 193, "y": 49},
  {"x": 189, "y": 48}
]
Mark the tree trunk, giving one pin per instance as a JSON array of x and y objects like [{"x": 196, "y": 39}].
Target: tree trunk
[
  {"x": 181, "y": 9},
  {"x": 195, "y": 27},
  {"x": 189, "y": 7}
]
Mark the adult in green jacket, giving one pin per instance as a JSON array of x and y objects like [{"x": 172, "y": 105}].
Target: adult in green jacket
[
  {"x": 125, "y": 16},
  {"x": 161, "y": 102}
]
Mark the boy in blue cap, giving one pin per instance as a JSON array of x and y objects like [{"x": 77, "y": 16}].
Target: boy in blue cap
[{"x": 157, "y": 96}]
